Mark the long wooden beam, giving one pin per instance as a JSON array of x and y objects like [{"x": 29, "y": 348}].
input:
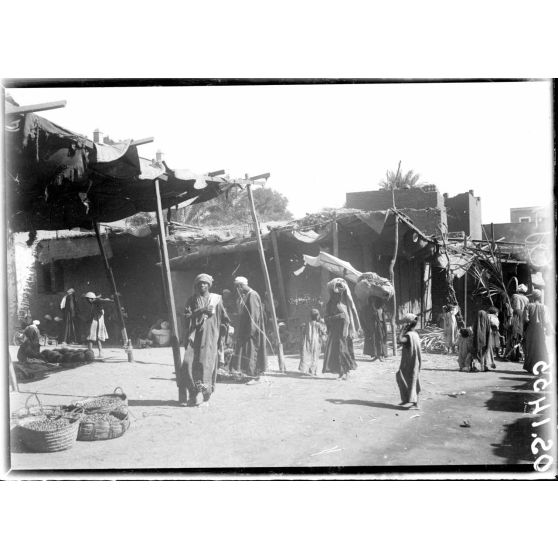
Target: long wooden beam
[
  {"x": 280, "y": 356},
  {"x": 168, "y": 291},
  {"x": 143, "y": 141},
  {"x": 10, "y": 109}
]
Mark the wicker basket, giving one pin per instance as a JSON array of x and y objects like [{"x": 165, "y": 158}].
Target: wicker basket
[
  {"x": 103, "y": 403},
  {"x": 99, "y": 428},
  {"x": 47, "y": 441}
]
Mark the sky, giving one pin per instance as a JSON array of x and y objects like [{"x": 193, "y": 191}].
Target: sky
[{"x": 321, "y": 141}]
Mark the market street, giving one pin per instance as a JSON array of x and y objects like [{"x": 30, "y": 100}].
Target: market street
[{"x": 290, "y": 420}]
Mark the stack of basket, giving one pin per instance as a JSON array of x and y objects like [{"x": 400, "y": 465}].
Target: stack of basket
[
  {"x": 103, "y": 417},
  {"x": 47, "y": 428}
]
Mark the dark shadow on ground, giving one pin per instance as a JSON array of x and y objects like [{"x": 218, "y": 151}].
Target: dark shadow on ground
[
  {"x": 515, "y": 446},
  {"x": 527, "y": 384},
  {"x": 152, "y": 403},
  {"x": 509, "y": 401},
  {"x": 376, "y": 404},
  {"x": 300, "y": 376}
]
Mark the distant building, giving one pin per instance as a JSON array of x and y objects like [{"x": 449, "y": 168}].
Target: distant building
[
  {"x": 535, "y": 214},
  {"x": 464, "y": 214}
]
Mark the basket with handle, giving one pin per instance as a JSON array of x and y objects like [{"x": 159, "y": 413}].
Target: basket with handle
[
  {"x": 48, "y": 428},
  {"x": 103, "y": 403},
  {"x": 104, "y": 425}
]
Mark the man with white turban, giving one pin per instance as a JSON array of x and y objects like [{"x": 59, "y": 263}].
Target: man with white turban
[
  {"x": 249, "y": 354},
  {"x": 518, "y": 301},
  {"x": 205, "y": 317}
]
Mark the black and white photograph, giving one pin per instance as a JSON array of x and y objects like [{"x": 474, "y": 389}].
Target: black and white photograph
[{"x": 302, "y": 278}]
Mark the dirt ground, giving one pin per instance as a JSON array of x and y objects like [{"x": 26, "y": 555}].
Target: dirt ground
[{"x": 291, "y": 420}]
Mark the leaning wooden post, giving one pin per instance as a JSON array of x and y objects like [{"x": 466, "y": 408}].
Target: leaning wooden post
[
  {"x": 392, "y": 263},
  {"x": 126, "y": 342},
  {"x": 13, "y": 378},
  {"x": 167, "y": 279},
  {"x": 279, "y": 271},
  {"x": 392, "y": 279},
  {"x": 465, "y": 285},
  {"x": 280, "y": 356}
]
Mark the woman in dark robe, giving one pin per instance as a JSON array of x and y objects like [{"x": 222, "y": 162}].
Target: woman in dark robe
[
  {"x": 535, "y": 322},
  {"x": 375, "y": 330},
  {"x": 407, "y": 376},
  {"x": 249, "y": 353},
  {"x": 204, "y": 315},
  {"x": 482, "y": 342},
  {"x": 31, "y": 346},
  {"x": 68, "y": 306},
  {"x": 342, "y": 326}
]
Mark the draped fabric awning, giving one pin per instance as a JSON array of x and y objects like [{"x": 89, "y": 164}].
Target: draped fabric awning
[
  {"x": 333, "y": 264},
  {"x": 58, "y": 179},
  {"x": 459, "y": 261}
]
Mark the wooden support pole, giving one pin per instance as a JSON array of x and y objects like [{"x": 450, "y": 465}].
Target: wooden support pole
[
  {"x": 13, "y": 378},
  {"x": 335, "y": 229},
  {"x": 465, "y": 288},
  {"x": 392, "y": 264},
  {"x": 125, "y": 341},
  {"x": 167, "y": 281},
  {"x": 279, "y": 271},
  {"x": 392, "y": 279},
  {"x": 280, "y": 356}
]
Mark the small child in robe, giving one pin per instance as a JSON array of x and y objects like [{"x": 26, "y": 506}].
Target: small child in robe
[
  {"x": 312, "y": 336},
  {"x": 465, "y": 349}
]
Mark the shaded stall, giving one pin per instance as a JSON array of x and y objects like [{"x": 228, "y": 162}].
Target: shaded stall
[{"x": 57, "y": 179}]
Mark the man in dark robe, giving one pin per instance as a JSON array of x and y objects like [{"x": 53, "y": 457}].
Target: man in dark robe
[
  {"x": 205, "y": 317},
  {"x": 249, "y": 354},
  {"x": 535, "y": 323},
  {"x": 68, "y": 306}
]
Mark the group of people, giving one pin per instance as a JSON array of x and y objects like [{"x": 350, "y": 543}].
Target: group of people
[
  {"x": 522, "y": 331},
  {"x": 206, "y": 329},
  {"x": 94, "y": 322}
]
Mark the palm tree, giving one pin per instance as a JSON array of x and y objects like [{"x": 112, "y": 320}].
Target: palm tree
[{"x": 400, "y": 181}]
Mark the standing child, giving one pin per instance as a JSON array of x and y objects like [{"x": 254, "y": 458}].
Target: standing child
[
  {"x": 407, "y": 376},
  {"x": 465, "y": 349},
  {"x": 311, "y": 344}
]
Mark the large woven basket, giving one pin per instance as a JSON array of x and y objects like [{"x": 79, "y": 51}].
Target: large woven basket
[
  {"x": 103, "y": 403},
  {"x": 99, "y": 428},
  {"x": 47, "y": 441}
]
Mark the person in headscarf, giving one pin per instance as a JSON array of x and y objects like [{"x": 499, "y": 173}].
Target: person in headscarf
[
  {"x": 482, "y": 342},
  {"x": 68, "y": 306},
  {"x": 205, "y": 326},
  {"x": 97, "y": 329},
  {"x": 407, "y": 376},
  {"x": 375, "y": 329},
  {"x": 31, "y": 346},
  {"x": 343, "y": 325},
  {"x": 535, "y": 323},
  {"x": 450, "y": 327},
  {"x": 311, "y": 344},
  {"x": 519, "y": 301},
  {"x": 249, "y": 356}
]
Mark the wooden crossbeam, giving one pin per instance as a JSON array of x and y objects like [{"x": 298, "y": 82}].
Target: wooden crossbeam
[
  {"x": 216, "y": 173},
  {"x": 10, "y": 109},
  {"x": 143, "y": 141}
]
